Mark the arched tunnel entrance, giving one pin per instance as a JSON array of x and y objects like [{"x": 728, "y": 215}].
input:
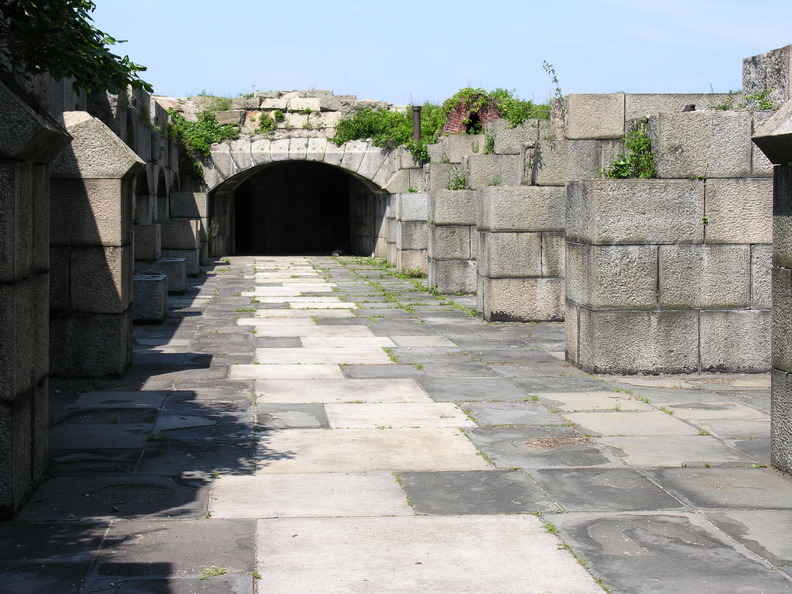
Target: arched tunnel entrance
[{"x": 303, "y": 208}]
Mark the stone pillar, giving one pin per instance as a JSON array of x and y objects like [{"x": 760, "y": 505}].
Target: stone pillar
[
  {"x": 28, "y": 142},
  {"x": 775, "y": 140},
  {"x": 91, "y": 248},
  {"x": 453, "y": 240},
  {"x": 663, "y": 275},
  {"x": 412, "y": 231},
  {"x": 521, "y": 253}
]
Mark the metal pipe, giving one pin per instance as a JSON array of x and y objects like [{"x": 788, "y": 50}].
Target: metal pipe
[{"x": 416, "y": 123}]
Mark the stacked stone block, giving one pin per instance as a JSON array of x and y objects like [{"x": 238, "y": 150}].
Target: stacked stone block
[
  {"x": 92, "y": 252},
  {"x": 521, "y": 253},
  {"x": 411, "y": 230},
  {"x": 453, "y": 241},
  {"x": 28, "y": 142},
  {"x": 651, "y": 287},
  {"x": 775, "y": 140}
]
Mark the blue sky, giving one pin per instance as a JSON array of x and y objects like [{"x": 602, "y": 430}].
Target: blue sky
[{"x": 409, "y": 51}]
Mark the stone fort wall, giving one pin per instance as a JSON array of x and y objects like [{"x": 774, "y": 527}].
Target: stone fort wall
[{"x": 671, "y": 274}]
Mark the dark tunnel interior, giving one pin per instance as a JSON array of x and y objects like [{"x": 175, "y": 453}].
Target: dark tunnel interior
[{"x": 304, "y": 208}]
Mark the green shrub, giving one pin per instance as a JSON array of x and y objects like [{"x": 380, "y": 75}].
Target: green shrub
[
  {"x": 637, "y": 160},
  {"x": 391, "y": 129},
  {"x": 196, "y": 138},
  {"x": 266, "y": 124}
]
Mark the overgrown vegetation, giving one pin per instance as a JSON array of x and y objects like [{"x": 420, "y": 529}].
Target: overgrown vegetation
[
  {"x": 758, "y": 101},
  {"x": 761, "y": 100},
  {"x": 392, "y": 129},
  {"x": 196, "y": 138},
  {"x": 637, "y": 161},
  {"x": 456, "y": 179},
  {"x": 58, "y": 38},
  {"x": 727, "y": 104}
]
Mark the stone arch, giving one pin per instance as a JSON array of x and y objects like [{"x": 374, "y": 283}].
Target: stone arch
[
  {"x": 231, "y": 162},
  {"x": 234, "y": 167},
  {"x": 465, "y": 114}
]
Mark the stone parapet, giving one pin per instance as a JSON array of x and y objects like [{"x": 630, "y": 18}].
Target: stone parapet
[
  {"x": 151, "y": 298},
  {"x": 650, "y": 289},
  {"x": 92, "y": 244},
  {"x": 702, "y": 144}
]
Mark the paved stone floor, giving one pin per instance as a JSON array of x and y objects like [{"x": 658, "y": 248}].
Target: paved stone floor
[{"x": 319, "y": 425}]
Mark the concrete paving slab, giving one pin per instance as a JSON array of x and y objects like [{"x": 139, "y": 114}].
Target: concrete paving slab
[
  {"x": 324, "y": 355},
  {"x": 433, "y": 355},
  {"x": 97, "y": 461},
  {"x": 631, "y": 423},
  {"x": 282, "y": 331},
  {"x": 174, "y": 550},
  {"x": 540, "y": 447},
  {"x": 396, "y": 415},
  {"x": 42, "y": 558},
  {"x": 121, "y": 496},
  {"x": 209, "y": 425},
  {"x": 312, "y": 305},
  {"x": 467, "y": 368},
  {"x": 94, "y": 416},
  {"x": 105, "y": 399},
  {"x": 758, "y": 381},
  {"x": 746, "y": 488},
  {"x": 214, "y": 584},
  {"x": 539, "y": 385},
  {"x": 290, "y": 416},
  {"x": 666, "y": 553},
  {"x": 757, "y": 448},
  {"x": 347, "y": 342},
  {"x": 766, "y": 533},
  {"x": 682, "y": 449},
  {"x": 535, "y": 369},
  {"x": 197, "y": 458},
  {"x": 475, "y": 492},
  {"x": 262, "y": 323},
  {"x": 279, "y": 372},
  {"x": 669, "y": 396},
  {"x": 603, "y": 489},
  {"x": 90, "y": 437},
  {"x": 717, "y": 410},
  {"x": 209, "y": 390},
  {"x": 736, "y": 429},
  {"x": 301, "y": 299},
  {"x": 278, "y": 342},
  {"x": 303, "y": 313},
  {"x": 366, "y": 450},
  {"x": 511, "y": 414},
  {"x": 581, "y": 401},
  {"x": 675, "y": 382},
  {"x": 381, "y": 371},
  {"x": 422, "y": 341},
  {"x": 471, "y": 389},
  {"x": 307, "y": 496},
  {"x": 346, "y": 390},
  {"x": 414, "y": 554}
]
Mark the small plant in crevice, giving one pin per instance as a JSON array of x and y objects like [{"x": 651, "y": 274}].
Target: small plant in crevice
[
  {"x": 213, "y": 571},
  {"x": 759, "y": 100},
  {"x": 489, "y": 144},
  {"x": 266, "y": 125},
  {"x": 456, "y": 179},
  {"x": 727, "y": 104},
  {"x": 637, "y": 161},
  {"x": 196, "y": 138}
]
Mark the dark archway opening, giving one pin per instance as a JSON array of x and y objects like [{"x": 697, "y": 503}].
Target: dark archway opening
[
  {"x": 473, "y": 125},
  {"x": 304, "y": 208}
]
